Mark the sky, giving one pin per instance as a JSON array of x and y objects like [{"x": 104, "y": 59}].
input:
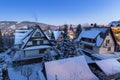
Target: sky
[{"x": 59, "y": 12}]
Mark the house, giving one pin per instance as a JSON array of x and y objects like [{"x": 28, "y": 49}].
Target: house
[
  {"x": 58, "y": 36},
  {"x": 20, "y": 36},
  {"x": 116, "y": 34},
  {"x": 96, "y": 40},
  {"x": 114, "y": 24},
  {"x": 54, "y": 36},
  {"x": 48, "y": 34},
  {"x": 75, "y": 68},
  {"x": 36, "y": 43},
  {"x": 109, "y": 66}
]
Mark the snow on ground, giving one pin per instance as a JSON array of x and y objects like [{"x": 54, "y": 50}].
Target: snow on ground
[
  {"x": 69, "y": 69},
  {"x": 15, "y": 72},
  {"x": 109, "y": 66}
]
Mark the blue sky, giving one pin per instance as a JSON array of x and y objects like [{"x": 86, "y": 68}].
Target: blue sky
[{"x": 58, "y": 12}]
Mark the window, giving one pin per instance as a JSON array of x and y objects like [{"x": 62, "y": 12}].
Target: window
[
  {"x": 88, "y": 47},
  {"x": 109, "y": 48},
  {"x": 37, "y": 34},
  {"x": 41, "y": 51},
  {"x": 34, "y": 42},
  {"x": 41, "y": 42},
  {"x": 107, "y": 41}
]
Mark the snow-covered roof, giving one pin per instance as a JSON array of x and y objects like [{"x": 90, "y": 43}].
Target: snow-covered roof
[
  {"x": 75, "y": 68},
  {"x": 114, "y": 24},
  {"x": 96, "y": 33},
  {"x": 57, "y": 34},
  {"x": 92, "y": 34},
  {"x": 20, "y": 35},
  {"x": 109, "y": 66},
  {"x": 37, "y": 47},
  {"x": 48, "y": 34}
]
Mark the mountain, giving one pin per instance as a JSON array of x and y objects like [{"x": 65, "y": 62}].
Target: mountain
[{"x": 24, "y": 24}]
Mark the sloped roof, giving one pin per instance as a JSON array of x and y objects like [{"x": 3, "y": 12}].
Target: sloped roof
[
  {"x": 57, "y": 34},
  {"x": 48, "y": 34},
  {"x": 114, "y": 24},
  {"x": 75, "y": 68},
  {"x": 92, "y": 34},
  {"x": 109, "y": 66},
  {"x": 29, "y": 36},
  {"x": 96, "y": 33},
  {"x": 20, "y": 35}
]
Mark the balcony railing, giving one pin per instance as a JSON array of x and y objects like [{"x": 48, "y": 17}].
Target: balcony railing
[{"x": 108, "y": 45}]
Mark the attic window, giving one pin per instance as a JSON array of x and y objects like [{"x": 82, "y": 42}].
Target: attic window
[
  {"x": 108, "y": 41},
  {"x": 37, "y": 34}
]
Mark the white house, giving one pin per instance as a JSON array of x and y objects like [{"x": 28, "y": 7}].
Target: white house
[
  {"x": 96, "y": 40},
  {"x": 36, "y": 43},
  {"x": 116, "y": 34}
]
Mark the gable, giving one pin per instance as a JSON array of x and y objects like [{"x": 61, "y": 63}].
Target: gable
[
  {"x": 36, "y": 38},
  {"x": 37, "y": 33},
  {"x": 57, "y": 34},
  {"x": 108, "y": 37}
]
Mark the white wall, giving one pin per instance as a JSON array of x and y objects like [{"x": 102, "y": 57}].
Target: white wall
[{"x": 103, "y": 49}]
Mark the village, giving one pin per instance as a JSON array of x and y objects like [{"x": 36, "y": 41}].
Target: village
[{"x": 65, "y": 53}]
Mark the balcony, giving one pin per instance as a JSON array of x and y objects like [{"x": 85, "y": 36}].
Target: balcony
[{"x": 108, "y": 45}]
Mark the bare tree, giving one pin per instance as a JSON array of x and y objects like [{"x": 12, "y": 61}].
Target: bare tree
[{"x": 26, "y": 71}]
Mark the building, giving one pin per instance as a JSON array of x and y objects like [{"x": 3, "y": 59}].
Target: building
[
  {"x": 54, "y": 36},
  {"x": 114, "y": 24},
  {"x": 96, "y": 40},
  {"x": 75, "y": 68},
  {"x": 116, "y": 34},
  {"x": 58, "y": 36},
  {"x": 36, "y": 43}
]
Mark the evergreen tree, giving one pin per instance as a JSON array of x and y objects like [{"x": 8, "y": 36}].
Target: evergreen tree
[
  {"x": 71, "y": 28},
  {"x": 66, "y": 46},
  {"x": 1, "y": 42},
  {"x": 78, "y": 30},
  {"x": 95, "y": 25}
]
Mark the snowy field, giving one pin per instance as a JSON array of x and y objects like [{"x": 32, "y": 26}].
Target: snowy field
[{"x": 15, "y": 73}]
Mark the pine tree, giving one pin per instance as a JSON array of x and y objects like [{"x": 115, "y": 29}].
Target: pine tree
[
  {"x": 1, "y": 42},
  {"x": 67, "y": 46},
  {"x": 78, "y": 30},
  {"x": 95, "y": 25},
  {"x": 71, "y": 28}
]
